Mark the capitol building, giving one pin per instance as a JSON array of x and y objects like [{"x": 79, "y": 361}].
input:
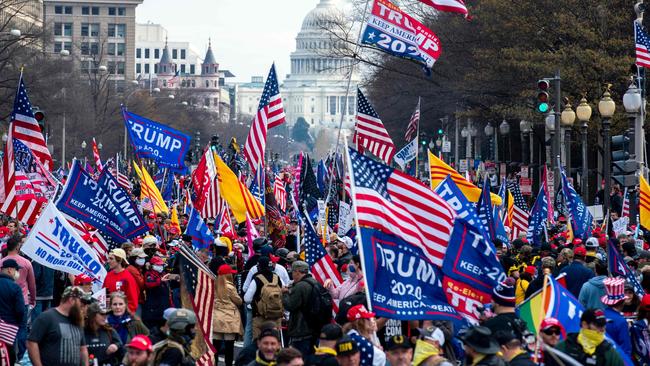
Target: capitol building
[{"x": 316, "y": 87}]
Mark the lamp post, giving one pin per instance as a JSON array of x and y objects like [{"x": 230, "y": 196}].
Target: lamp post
[
  {"x": 583, "y": 111},
  {"x": 526, "y": 128},
  {"x": 567, "y": 118},
  {"x": 489, "y": 132},
  {"x": 197, "y": 146},
  {"x": 504, "y": 129},
  {"x": 464, "y": 133},
  {"x": 632, "y": 102},
  {"x": 606, "y": 108},
  {"x": 83, "y": 148}
]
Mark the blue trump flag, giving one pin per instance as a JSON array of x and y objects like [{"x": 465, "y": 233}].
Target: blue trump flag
[
  {"x": 102, "y": 203},
  {"x": 490, "y": 217},
  {"x": 197, "y": 229},
  {"x": 618, "y": 267},
  {"x": 402, "y": 282},
  {"x": 537, "y": 218},
  {"x": 465, "y": 209},
  {"x": 321, "y": 177},
  {"x": 164, "y": 180},
  {"x": 156, "y": 141},
  {"x": 581, "y": 218}
]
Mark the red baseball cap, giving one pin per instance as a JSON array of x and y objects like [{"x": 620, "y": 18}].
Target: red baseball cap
[
  {"x": 581, "y": 251},
  {"x": 156, "y": 261},
  {"x": 225, "y": 269},
  {"x": 82, "y": 279},
  {"x": 359, "y": 312},
  {"x": 645, "y": 302},
  {"x": 141, "y": 342},
  {"x": 152, "y": 215},
  {"x": 531, "y": 270}
]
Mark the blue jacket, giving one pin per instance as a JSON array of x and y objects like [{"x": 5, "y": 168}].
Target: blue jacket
[
  {"x": 591, "y": 293},
  {"x": 12, "y": 302},
  {"x": 576, "y": 276},
  {"x": 617, "y": 330},
  {"x": 44, "y": 281}
]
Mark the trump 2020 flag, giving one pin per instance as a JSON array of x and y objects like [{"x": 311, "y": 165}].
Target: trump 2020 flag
[
  {"x": 156, "y": 141},
  {"x": 581, "y": 218},
  {"x": 197, "y": 229},
  {"x": 406, "y": 154},
  {"x": 450, "y": 192},
  {"x": 618, "y": 267},
  {"x": 537, "y": 218}
]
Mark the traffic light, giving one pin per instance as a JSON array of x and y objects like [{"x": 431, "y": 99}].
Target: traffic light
[
  {"x": 543, "y": 96},
  {"x": 440, "y": 131},
  {"x": 623, "y": 168},
  {"x": 39, "y": 116}
]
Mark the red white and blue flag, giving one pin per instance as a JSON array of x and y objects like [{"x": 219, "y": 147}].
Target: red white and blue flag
[
  {"x": 625, "y": 211},
  {"x": 642, "y": 45},
  {"x": 370, "y": 133},
  {"x": 520, "y": 211},
  {"x": 96, "y": 157},
  {"x": 280, "y": 193},
  {"x": 452, "y": 6}
]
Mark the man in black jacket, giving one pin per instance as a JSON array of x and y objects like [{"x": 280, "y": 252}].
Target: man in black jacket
[
  {"x": 296, "y": 299},
  {"x": 12, "y": 303},
  {"x": 480, "y": 346},
  {"x": 512, "y": 350}
]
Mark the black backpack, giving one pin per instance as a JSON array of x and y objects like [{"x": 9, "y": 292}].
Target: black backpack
[{"x": 319, "y": 307}]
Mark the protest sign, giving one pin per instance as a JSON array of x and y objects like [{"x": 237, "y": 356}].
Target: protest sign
[
  {"x": 406, "y": 154},
  {"x": 345, "y": 218}
]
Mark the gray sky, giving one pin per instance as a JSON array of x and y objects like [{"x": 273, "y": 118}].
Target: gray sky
[{"x": 247, "y": 35}]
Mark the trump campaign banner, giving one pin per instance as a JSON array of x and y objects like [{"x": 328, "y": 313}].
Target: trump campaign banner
[
  {"x": 402, "y": 282},
  {"x": 407, "y": 154},
  {"x": 102, "y": 203},
  {"x": 53, "y": 243},
  {"x": 393, "y": 31},
  {"x": 156, "y": 141}
]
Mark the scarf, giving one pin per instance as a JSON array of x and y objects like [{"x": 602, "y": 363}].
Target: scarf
[
  {"x": 423, "y": 350},
  {"x": 262, "y": 361},
  {"x": 119, "y": 323},
  {"x": 590, "y": 339},
  {"x": 324, "y": 351}
]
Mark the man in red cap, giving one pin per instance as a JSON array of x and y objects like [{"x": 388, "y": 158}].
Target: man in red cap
[
  {"x": 84, "y": 281},
  {"x": 139, "y": 351},
  {"x": 157, "y": 291}
]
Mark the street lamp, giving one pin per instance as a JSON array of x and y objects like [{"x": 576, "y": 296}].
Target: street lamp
[
  {"x": 464, "y": 132},
  {"x": 100, "y": 146},
  {"x": 83, "y": 145},
  {"x": 606, "y": 108},
  {"x": 632, "y": 102},
  {"x": 583, "y": 111},
  {"x": 490, "y": 132},
  {"x": 525, "y": 128},
  {"x": 504, "y": 130},
  {"x": 567, "y": 118}
]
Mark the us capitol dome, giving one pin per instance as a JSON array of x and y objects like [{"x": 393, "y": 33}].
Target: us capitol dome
[{"x": 315, "y": 88}]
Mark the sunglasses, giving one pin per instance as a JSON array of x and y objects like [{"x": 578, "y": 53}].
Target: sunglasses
[{"x": 552, "y": 331}]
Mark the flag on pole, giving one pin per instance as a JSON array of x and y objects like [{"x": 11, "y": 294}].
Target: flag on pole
[
  {"x": 270, "y": 113},
  {"x": 537, "y": 218},
  {"x": 369, "y": 131},
  {"x": 452, "y": 6},
  {"x": 412, "y": 128},
  {"x": 642, "y": 45},
  {"x": 239, "y": 198},
  {"x": 251, "y": 234},
  {"x": 618, "y": 267},
  {"x": 644, "y": 202},
  {"x": 625, "y": 211},
  {"x": 149, "y": 190},
  {"x": 280, "y": 193},
  {"x": 519, "y": 211},
  {"x": 96, "y": 157},
  {"x": 321, "y": 264}
]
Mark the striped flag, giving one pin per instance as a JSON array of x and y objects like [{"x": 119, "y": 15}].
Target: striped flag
[
  {"x": 99, "y": 244},
  {"x": 393, "y": 202},
  {"x": 452, "y": 6},
  {"x": 625, "y": 211},
  {"x": 8, "y": 332},
  {"x": 213, "y": 203},
  {"x": 122, "y": 178},
  {"x": 225, "y": 222},
  {"x": 270, "y": 113},
  {"x": 370, "y": 133},
  {"x": 644, "y": 203},
  {"x": 280, "y": 193},
  {"x": 96, "y": 157},
  {"x": 642, "y": 46},
  {"x": 519, "y": 211},
  {"x": 321, "y": 264},
  {"x": 412, "y": 129}
]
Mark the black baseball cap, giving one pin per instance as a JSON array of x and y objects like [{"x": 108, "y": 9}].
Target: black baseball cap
[
  {"x": 331, "y": 332},
  {"x": 10, "y": 263},
  {"x": 346, "y": 346},
  {"x": 398, "y": 341},
  {"x": 594, "y": 316}
]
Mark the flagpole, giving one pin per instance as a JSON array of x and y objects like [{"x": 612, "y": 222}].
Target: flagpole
[
  {"x": 543, "y": 316},
  {"x": 417, "y": 140}
]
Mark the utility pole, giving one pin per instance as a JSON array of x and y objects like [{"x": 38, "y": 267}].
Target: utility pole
[{"x": 557, "y": 110}]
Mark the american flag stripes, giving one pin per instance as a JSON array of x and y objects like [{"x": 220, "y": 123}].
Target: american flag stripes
[
  {"x": 370, "y": 133},
  {"x": 625, "y": 210},
  {"x": 280, "y": 193},
  {"x": 412, "y": 129},
  {"x": 642, "y": 46},
  {"x": 396, "y": 203},
  {"x": 520, "y": 210},
  {"x": 270, "y": 113},
  {"x": 213, "y": 203},
  {"x": 99, "y": 244},
  {"x": 321, "y": 264},
  {"x": 8, "y": 332},
  {"x": 96, "y": 157},
  {"x": 452, "y": 6}
]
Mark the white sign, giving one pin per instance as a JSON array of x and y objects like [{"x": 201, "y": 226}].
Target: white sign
[
  {"x": 620, "y": 225},
  {"x": 321, "y": 213},
  {"x": 446, "y": 146},
  {"x": 406, "y": 154},
  {"x": 523, "y": 172},
  {"x": 596, "y": 211},
  {"x": 462, "y": 165},
  {"x": 345, "y": 218},
  {"x": 54, "y": 243}
]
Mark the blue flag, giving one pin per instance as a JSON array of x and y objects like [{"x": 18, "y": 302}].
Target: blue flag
[
  {"x": 581, "y": 218},
  {"x": 465, "y": 209},
  {"x": 403, "y": 283},
  {"x": 321, "y": 177},
  {"x": 618, "y": 267},
  {"x": 156, "y": 141},
  {"x": 485, "y": 212},
  {"x": 164, "y": 180},
  {"x": 197, "y": 229},
  {"x": 537, "y": 218},
  {"x": 257, "y": 185},
  {"x": 103, "y": 203}
]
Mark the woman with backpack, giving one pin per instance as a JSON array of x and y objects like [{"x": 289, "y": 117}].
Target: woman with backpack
[
  {"x": 103, "y": 342},
  {"x": 265, "y": 295},
  {"x": 226, "y": 323}
]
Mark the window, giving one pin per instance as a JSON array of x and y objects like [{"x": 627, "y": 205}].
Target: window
[
  {"x": 351, "y": 105},
  {"x": 95, "y": 10},
  {"x": 156, "y": 53},
  {"x": 138, "y": 68},
  {"x": 60, "y": 9},
  {"x": 63, "y": 29},
  {"x": 121, "y": 11},
  {"x": 112, "y": 11},
  {"x": 206, "y": 102},
  {"x": 67, "y": 10},
  {"x": 182, "y": 54},
  {"x": 85, "y": 10},
  {"x": 192, "y": 69},
  {"x": 146, "y": 53},
  {"x": 146, "y": 68},
  {"x": 155, "y": 68},
  {"x": 332, "y": 105},
  {"x": 110, "y": 65},
  {"x": 89, "y": 48},
  {"x": 89, "y": 29},
  {"x": 121, "y": 67},
  {"x": 182, "y": 69},
  {"x": 193, "y": 83},
  {"x": 138, "y": 53},
  {"x": 58, "y": 46},
  {"x": 117, "y": 30},
  {"x": 207, "y": 83},
  {"x": 343, "y": 106},
  {"x": 174, "y": 53},
  {"x": 116, "y": 49}
]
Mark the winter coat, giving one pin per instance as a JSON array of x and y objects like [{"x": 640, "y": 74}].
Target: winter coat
[
  {"x": 618, "y": 330},
  {"x": 157, "y": 299},
  {"x": 295, "y": 301},
  {"x": 225, "y": 316},
  {"x": 522, "y": 359},
  {"x": 12, "y": 302},
  {"x": 44, "y": 281},
  {"x": 591, "y": 293},
  {"x": 491, "y": 360},
  {"x": 605, "y": 354},
  {"x": 576, "y": 276}
]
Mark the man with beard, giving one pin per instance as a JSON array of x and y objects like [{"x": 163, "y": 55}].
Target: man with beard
[
  {"x": 57, "y": 337},
  {"x": 139, "y": 351}
]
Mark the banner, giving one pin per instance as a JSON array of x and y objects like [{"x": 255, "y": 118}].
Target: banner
[
  {"x": 156, "y": 141},
  {"x": 393, "y": 31},
  {"x": 581, "y": 218},
  {"x": 104, "y": 204},
  {"x": 345, "y": 218},
  {"x": 53, "y": 243},
  {"x": 406, "y": 154},
  {"x": 618, "y": 267},
  {"x": 197, "y": 229},
  {"x": 402, "y": 282},
  {"x": 449, "y": 191}
]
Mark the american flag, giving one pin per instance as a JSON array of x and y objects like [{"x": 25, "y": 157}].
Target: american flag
[
  {"x": 213, "y": 203},
  {"x": 225, "y": 222},
  {"x": 280, "y": 193},
  {"x": 257, "y": 185},
  {"x": 270, "y": 113},
  {"x": 113, "y": 166},
  {"x": 98, "y": 159},
  {"x": 199, "y": 283},
  {"x": 412, "y": 129},
  {"x": 520, "y": 210},
  {"x": 369, "y": 131},
  {"x": 8, "y": 332},
  {"x": 625, "y": 211},
  {"x": 396, "y": 203},
  {"x": 642, "y": 46},
  {"x": 321, "y": 264},
  {"x": 452, "y": 6}
]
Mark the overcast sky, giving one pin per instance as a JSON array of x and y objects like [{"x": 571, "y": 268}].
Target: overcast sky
[{"x": 247, "y": 35}]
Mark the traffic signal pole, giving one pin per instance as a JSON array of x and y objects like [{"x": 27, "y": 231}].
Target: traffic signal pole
[{"x": 558, "y": 135}]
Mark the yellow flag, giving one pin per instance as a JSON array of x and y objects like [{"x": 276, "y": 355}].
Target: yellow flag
[
  {"x": 644, "y": 202},
  {"x": 174, "y": 219},
  {"x": 439, "y": 170},
  {"x": 510, "y": 211},
  {"x": 149, "y": 190},
  {"x": 239, "y": 198}
]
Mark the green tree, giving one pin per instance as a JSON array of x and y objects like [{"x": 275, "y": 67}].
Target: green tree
[{"x": 300, "y": 132}]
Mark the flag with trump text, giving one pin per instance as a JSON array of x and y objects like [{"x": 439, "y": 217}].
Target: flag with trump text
[
  {"x": 537, "y": 218},
  {"x": 390, "y": 201},
  {"x": 197, "y": 229},
  {"x": 270, "y": 113},
  {"x": 370, "y": 133},
  {"x": 581, "y": 218},
  {"x": 239, "y": 198},
  {"x": 618, "y": 267}
]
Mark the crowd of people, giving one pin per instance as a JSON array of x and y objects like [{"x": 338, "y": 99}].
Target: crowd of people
[{"x": 268, "y": 299}]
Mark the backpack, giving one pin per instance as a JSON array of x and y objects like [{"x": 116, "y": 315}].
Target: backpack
[
  {"x": 269, "y": 305},
  {"x": 319, "y": 307}
]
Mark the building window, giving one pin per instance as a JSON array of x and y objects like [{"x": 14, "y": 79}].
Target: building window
[
  {"x": 182, "y": 54},
  {"x": 206, "y": 102},
  {"x": 146, "y": 53},
  {"x": 146, "y": 68},
  {"x": 351, "y": 105},
  {"x": 121, "y": 12},
  {"x": 89, "y": 48},
  {"x": 193, "y": 83},
  {"x": 85, "y": 10},
  {"x": 58, "y": 46},
  {"x": 117, "y": 30},
  {"x": 332, "y": 104},
  {"x": 174, "y": 53},
  {"x": 117, "y": 11},
  {"x": 95, "y": 10},
  {"x": 155, "y": 68},
  {"x": 343, "y": 105},
  {"x": 89, "y": 29},
  {"x": 207, "y": 83},
  {"x": 192, "y": 69},
  {"x": 59, "y": 9},
  {"x": 138, "y": 53},
  {"x": 182, "y": 68},
  {"x": 121, "y": 67},
  {"x": 63, "y": 29},
  {"x": 156, "y": 53},
  {"x": 138, "y": 68},
  {"x": 116, "y": 49}
]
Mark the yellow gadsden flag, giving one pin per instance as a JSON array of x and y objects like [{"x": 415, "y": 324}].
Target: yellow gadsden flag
[
  {"x": 239, "y": 198},
  {"x": 148, "y": 190},
  {"x": 439, "y": 170},
  {"x": 644, "y": 202}
]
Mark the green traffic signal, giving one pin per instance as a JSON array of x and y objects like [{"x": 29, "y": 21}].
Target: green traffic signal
[
  {"x": 440, "y": 131},
  {"x": 543, "y": 107}
]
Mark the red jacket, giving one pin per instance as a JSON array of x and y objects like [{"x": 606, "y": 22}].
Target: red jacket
[{"x": 124, "y": 282}]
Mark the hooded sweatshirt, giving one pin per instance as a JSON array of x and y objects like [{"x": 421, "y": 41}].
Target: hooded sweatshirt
[{"x": 591, "y": 293}]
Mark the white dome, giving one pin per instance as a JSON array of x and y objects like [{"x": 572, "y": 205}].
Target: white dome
[{"x": 317, "y": 17}]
